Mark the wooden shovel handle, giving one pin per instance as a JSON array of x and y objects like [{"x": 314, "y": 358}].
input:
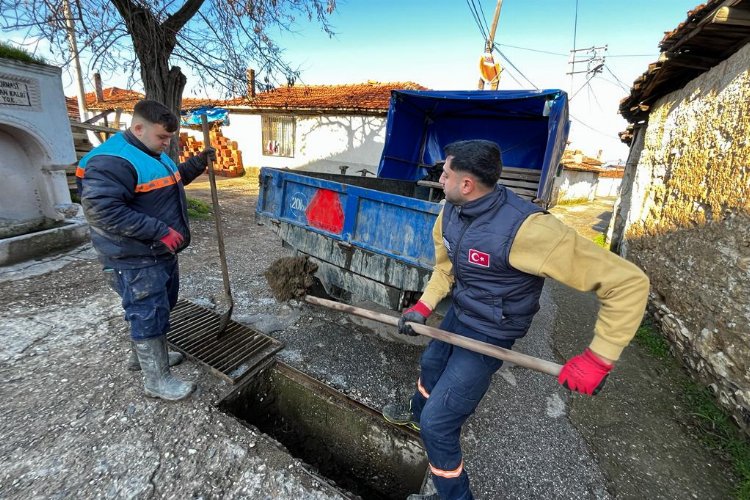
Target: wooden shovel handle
[{"x": 514, "y": 357}]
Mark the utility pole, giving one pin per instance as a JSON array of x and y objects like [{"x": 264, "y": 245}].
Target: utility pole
[
  {"x": 77, "y": 74},
  {"x": 490, "y": 43},
  {"x": 592, "y": 57}
]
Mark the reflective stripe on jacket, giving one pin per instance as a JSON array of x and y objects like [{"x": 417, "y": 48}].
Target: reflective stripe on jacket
[{"x": 131, "y": 197}]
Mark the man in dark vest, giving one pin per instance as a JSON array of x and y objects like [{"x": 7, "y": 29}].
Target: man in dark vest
[
  {"x": 493, "y": 251},
  {"x": 133, "y": 197}
]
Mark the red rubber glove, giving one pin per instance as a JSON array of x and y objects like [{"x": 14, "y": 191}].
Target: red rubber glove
[
  {"x": 584, "y": 373},
  {"x": 172, "y": 240},
  {"x": 418, "y": 313}
]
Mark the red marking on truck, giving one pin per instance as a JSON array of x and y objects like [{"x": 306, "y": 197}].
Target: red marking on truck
[{"x": 325, "y": 211}]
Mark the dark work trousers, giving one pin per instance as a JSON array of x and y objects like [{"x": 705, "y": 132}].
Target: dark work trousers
[
  {"x": 148, "y": 296},
  {"x": 452, "y": 382}
]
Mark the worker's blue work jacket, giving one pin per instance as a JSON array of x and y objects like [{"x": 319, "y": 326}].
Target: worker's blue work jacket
[
  {"x": 131, "y": 197},
  {"x": 489, "y": 295}
]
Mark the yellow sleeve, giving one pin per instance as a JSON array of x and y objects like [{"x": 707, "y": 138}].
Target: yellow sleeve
[
  {"x": 546, "y": 247},
  {"x": 441, "y": 280}
]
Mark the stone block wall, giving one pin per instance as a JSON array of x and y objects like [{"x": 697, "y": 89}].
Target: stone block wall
[{"x": 688, "y": 226}]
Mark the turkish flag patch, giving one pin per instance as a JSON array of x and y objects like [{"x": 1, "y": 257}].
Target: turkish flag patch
[{"x": 479, "y": 258}]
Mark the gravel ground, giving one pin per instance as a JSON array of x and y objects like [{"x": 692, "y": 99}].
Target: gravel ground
[{"x": 75, "y": 422}]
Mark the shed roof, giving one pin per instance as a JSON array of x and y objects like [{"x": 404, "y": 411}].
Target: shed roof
[{"x": 700, "y": 42}]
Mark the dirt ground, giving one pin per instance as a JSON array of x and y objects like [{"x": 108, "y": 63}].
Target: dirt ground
[{"x": 75, "y": 423}]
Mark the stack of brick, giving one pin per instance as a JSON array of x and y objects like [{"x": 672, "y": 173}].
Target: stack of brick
[{"x": 228, "y": 157}]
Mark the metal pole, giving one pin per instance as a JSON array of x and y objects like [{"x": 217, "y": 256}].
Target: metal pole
[
  {"x": 491, "y": 39},
  {"x": 77, "y": 73}
]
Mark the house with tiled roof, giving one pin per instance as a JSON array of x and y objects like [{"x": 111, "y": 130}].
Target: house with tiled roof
[
  {"x": 313, "y": 127},
  {"x": 684, "y": 210},
  {"x": 585, "y": 178}
]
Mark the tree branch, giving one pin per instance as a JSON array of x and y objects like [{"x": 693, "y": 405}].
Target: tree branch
[{"x": 176, "y": 21}]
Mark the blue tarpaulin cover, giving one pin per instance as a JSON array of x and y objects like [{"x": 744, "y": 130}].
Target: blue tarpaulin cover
[
  {"x": 530, "y": 126},
  {"x": 193, "y": 117}
]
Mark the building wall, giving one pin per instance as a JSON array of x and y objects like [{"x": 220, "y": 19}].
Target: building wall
[
  {"x": 607, "y": 187},
  {"x": 575, "y": 185},
  {"x": 688, "y": 226},
  {"x": 322, "y": 143}
]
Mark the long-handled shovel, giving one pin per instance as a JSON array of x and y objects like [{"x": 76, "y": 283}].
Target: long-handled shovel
[
  {"x": 517, "y": 358},
  {"x": 224, "y": 320},
  {"x": 292, "y": 277}
]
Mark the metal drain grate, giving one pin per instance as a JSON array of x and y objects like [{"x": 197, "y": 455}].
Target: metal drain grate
[{"x": 239, "y": 350}]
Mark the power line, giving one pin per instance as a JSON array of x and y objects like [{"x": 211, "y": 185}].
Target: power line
[
  {"x": 624, "y": 85},
  {"x": 477, "y": 18},
  {"x": 581, "y": 87},
  {"x": 484, "y": 18},
  {"x": 514, "y": 66},
  {"x": 592, "y": 128},
  {"x": 533, "y": 50},
  {"x": 575, "y": 32}
]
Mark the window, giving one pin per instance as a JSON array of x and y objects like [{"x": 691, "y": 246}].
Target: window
[{"x": 278, "y": 135}]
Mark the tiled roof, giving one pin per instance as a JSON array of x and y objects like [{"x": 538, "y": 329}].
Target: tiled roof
[
  {"x": 371, "y": 96},
  {"x": 576, "y": 160},
  {"x": 692, "y": 48},
  {"x": 366, "y": 96}
]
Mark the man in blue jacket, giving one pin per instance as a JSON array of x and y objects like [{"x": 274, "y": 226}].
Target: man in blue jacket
[{"x": 133, "y": 197}]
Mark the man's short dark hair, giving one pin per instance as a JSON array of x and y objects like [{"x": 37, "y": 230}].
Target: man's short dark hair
[
  {"x": 478, "y": 157},
  {"x": 156, "y": 112}
]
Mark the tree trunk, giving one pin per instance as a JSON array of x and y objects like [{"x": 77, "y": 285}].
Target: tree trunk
[
  {"x": 153, "y": 43},
  {"x": 165, "y": 86}
]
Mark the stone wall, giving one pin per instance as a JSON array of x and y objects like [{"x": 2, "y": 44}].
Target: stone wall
[{"x": 688, "y": 226}]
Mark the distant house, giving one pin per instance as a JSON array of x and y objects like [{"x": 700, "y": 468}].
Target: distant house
[
  {"x": 315, "y": 127},
  {"x": 684, "y": 212},
  {"x": 584, "y": 178}
]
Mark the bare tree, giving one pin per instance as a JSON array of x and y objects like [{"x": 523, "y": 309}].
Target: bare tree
[{"x": 217, "y": 39}]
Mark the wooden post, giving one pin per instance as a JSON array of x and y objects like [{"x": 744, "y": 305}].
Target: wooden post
[{"x": 491, "y": 42}]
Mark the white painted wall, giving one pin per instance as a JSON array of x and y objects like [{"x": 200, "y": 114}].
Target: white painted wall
[
  {"x": 322, "y": 143},
  {"x": 34, "y": 124},
  {"x": 575, "y": 185},
  {"x": 607, "y": 187}
]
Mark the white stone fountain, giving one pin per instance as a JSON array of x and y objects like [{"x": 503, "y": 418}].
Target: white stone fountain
[{"x": 36, "y": 145}]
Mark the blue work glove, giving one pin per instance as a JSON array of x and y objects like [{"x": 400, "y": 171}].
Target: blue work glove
[{"x": 418, "y": 313}]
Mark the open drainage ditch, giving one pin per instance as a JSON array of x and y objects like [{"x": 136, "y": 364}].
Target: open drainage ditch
[{"x": 344, "y": 440}]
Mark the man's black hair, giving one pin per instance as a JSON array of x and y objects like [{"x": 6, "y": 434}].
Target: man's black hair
[
  {"x": 478, "y": 157},
  {"x": 156, "y": 112}
]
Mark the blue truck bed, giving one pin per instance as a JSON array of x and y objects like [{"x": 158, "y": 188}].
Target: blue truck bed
[
  {"x": 371, "y": 237},
  {"x": 370, "y": 240}
]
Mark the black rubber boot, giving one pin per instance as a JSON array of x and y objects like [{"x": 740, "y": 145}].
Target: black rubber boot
[
  {"x": 175, "y": 358},
  {"x": 400, "y": 414},
  {"x": 158, "y": 381}
]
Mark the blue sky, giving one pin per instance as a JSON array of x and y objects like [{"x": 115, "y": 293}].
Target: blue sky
[{"x": 437, "y": 43}]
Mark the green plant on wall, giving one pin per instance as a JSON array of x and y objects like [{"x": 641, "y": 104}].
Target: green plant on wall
[{"x": 8, "y": 51}]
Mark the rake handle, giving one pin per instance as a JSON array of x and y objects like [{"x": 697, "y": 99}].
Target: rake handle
[{"x": 514, "y": 357}]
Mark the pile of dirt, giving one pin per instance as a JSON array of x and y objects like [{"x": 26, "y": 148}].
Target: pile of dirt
[{"x": 290, "y": 277}]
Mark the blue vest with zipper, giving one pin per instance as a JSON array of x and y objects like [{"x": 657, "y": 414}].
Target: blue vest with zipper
[
  {"x": 158, "y": 194},
  {"x": 489, "y": 295},
  {"x": 148, "y": 168}
]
